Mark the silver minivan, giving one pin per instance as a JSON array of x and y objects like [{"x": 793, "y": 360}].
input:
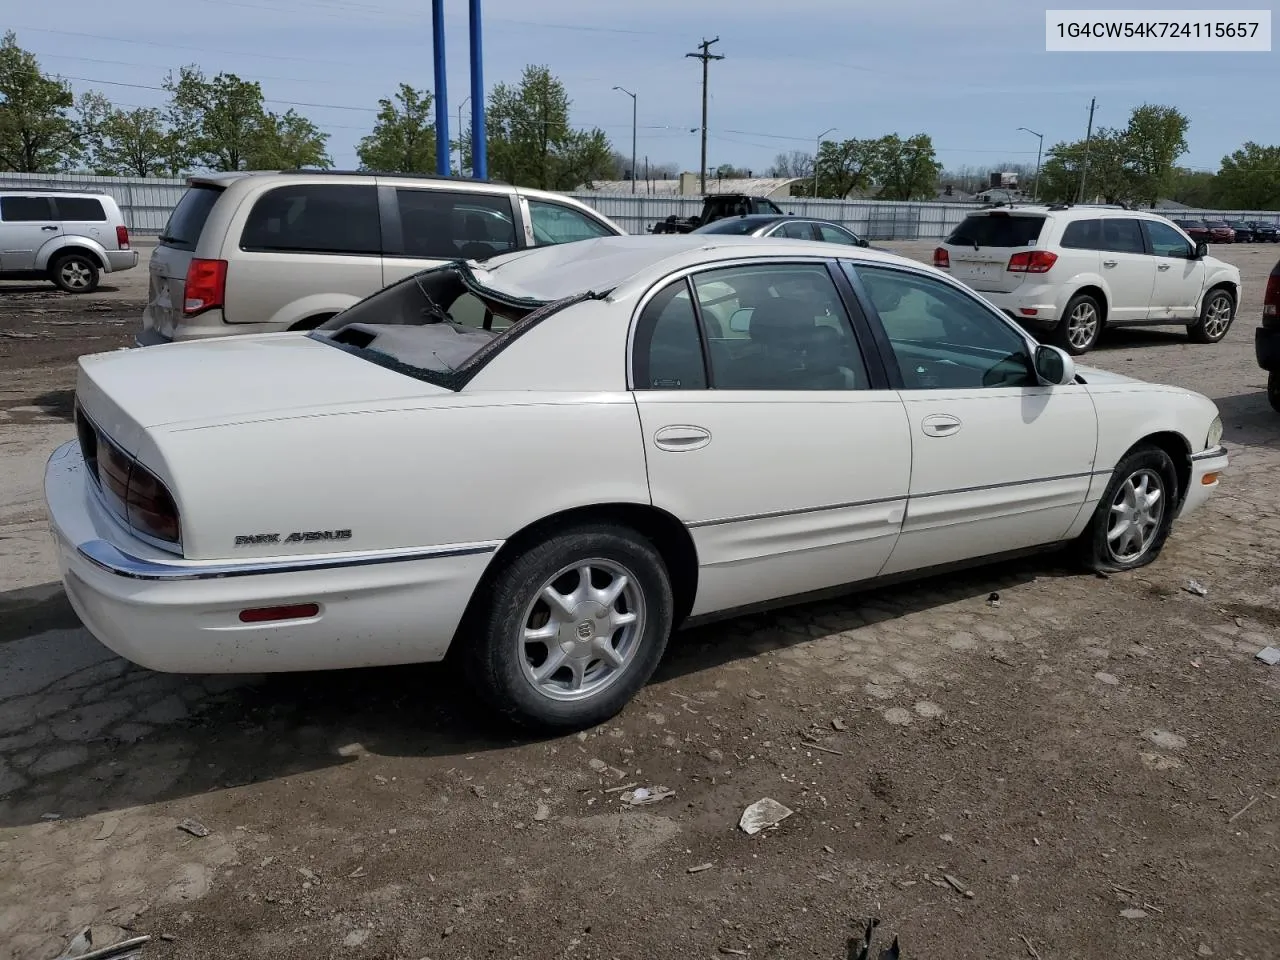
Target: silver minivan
[
  {"x": 69, "y": 237},
  {"x": 258, "y": 252}
]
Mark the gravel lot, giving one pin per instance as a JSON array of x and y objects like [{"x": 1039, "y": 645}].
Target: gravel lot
[{"x": 1094, "y": 762}]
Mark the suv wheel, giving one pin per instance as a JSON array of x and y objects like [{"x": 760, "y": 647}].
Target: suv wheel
[
  {"x": 1081, "y": 325},
  {"x": 74, "y": 273},
  {"x": 1216, "y": 314}
]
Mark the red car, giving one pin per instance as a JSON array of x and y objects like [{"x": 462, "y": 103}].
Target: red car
[
  {"x": 1221, "y": 232},
  {"x": 1197, "y": 230}
]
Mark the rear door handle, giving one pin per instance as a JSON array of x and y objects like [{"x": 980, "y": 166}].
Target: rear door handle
[
  {"x": 1163, "y": 266},
  {"x": 48, "y": 228},
  {"x": 940, "y": 425},
  {"x": 681, "y": 437},
  {"x": 1109, "y": 263}
]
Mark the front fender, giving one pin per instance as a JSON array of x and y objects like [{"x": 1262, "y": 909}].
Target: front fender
[
  {"x": 1222, "y": 276},
  {"x": 46, "y": 254}
]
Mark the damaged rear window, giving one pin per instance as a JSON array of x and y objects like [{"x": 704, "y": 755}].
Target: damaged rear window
[{"x": 438, "y": 326}]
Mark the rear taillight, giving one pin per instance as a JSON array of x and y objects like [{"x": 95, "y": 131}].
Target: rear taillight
[
  {"x": 122, "y": 237},
  {"x": 1034, "y": 261},
  {"x": 1271, "y": 300},
  {"x": 132, "y": 492},
  {"x": 206, "y": 286},
  {"x": 942, "y": 259}
]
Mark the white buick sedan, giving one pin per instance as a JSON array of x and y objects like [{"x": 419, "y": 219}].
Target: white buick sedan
[{"x": 543, "y": 464}]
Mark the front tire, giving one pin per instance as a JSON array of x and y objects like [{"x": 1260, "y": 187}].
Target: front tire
[
  {"x": 74, "y": 273},
  {"x": 566, "y": 632},
  {"x": 1273, "y": 389},
  {"x": 1080, "y": 328},
  {"x": 1134, "y": 517},
  {"x": 1216, "y": 314}
]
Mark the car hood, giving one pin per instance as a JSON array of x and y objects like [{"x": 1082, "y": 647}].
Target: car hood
[
  {"x": 1095, "y": 375},
  {"x": 230, "y": 378}
]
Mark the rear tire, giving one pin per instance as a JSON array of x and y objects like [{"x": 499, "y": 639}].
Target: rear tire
[
  {"x": 1273, "y": 389},
  {"x": 1080, "y": 328},
  {"x": 1134, "y": 516},
  {"x": 576, "y": 659},
  {"x": 74, "y": 273},
  {"x": 312, "y": 322},
  {"x": 1216, "y": 316}
]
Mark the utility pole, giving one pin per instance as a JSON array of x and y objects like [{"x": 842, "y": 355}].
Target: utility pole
[
  {"x": 706, "y": 56},
  {"x": 1088, "y": 137},
  {"x": 633, "y": 135},
  {"x": 817, "y": 150}
]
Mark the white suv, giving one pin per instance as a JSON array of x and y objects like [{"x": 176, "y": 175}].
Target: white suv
[{"x": 1071, "y": 270}]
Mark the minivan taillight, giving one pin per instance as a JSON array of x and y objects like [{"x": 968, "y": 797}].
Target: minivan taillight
[
  {"x": 942, "y": 259},
  {"x": 1034, "y": 261},
  {"x": 1271, "y": 300},
  {"x": 122, "y": 237},
  {"x": 206, "y": 286}
]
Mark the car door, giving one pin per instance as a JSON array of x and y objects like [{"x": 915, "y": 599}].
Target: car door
[
  {"x": 999, "y": 462},
  {"x": 27, "y": 223},
  {"x": 1129, "y": 270},
  {"x": 1179, "y": 275},
  {"x": 767, "y": 431},
  {"x": 433, "y": 226}
]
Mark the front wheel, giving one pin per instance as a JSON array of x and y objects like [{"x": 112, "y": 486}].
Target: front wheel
[
  {"x": 1080, "y": 328},
  {"x": 568, "y": 631},
  {"x": 1216, "y": 314},
  {"x": 1134, "y": 517},
  {"x": 1273, "y": 389}
]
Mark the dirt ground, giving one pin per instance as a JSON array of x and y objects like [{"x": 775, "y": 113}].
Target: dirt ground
[{"x": 1093, "y": 762}]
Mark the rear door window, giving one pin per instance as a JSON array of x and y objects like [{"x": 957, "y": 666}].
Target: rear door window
[
  {"x": 189, "y": 216},
  {"x": 997, "y": 230},
  {"x": 445, "y": 225},
  {"x": 1122, "y": 235},
  {"x": 80, "y": 209},
  {"x": 26, "y": 209},
  {"x": 315, "y": 218},
  {"x": 1083, "y": 235}
]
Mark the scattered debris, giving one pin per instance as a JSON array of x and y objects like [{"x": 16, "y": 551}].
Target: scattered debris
[
  {"x": 81, "y": 948},
  {"x": 1133, "y": 913},
  {"x": 700, "y": 868},
  {"x": 731, "y": 951},
  {"x": 828, "y": 849},
  {"x": 762, "y": 814},
  {"x": 957, "y": 886},
  {"x": 817, "y": 746},
  {"x": 642, "y": 796},
  {"x": 1269, "y": 655},
  {"x": 543, "y": 812},
  {"x": 50, "y": 816},
  {"x": 993, "y": 600},
  {"x": 108, "y": 828},
  {"x": 356, "y": 938},
  {"x": 859, "y": 948},
  {"x": 755, "y": 694},
  {"x": 1241, "y": 811},
  {"x": 193, "y": 827},
  {"x": 1030, "y": 949},
  {"x": 625, "y": 787},
  {"x": 1197, "y": 588},
  {"x": 838, "y": 724},
  {"x": 357, "y": 874}
]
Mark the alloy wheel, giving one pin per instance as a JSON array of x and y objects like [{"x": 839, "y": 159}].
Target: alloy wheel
[
  {"x": 1082, "y": 325},
  {"x": 1217, "y": 318},
  {"x": 1136, "y": 513},
  {"x": 76, "y": 275}
]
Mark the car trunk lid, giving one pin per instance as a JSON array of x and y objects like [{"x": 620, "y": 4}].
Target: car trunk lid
[{"x": 980, "y": 248}]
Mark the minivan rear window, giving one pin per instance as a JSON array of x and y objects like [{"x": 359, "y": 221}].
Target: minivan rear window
[
  {"x": 996, "y": 230},
  {"x": 189, "y": 216}
]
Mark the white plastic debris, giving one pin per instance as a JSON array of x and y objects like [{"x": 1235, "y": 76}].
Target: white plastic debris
[
  {"x": 1196, "y": 587},
  {"x": 1269, "y": 655},
  {"x": 762, "y": 814},
  {"x": 642, "y": 796}
]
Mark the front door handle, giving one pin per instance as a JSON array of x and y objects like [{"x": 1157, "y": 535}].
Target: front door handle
[
  {"x": 1109, "y": 263},
  {"x": 940, "y": 425},
  {"x": 48, "y": 228},
  {"x": 681, "y": 437},
  {"x": 1163, "y": 266}
]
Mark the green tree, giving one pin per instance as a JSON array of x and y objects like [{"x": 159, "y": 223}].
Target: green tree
[
  {"x": 289, "y": 141},
  {"x": 126, "y": 143},
  {"x": 38, "y": 131},
  {"x": 907, "y": 169},
  {"x": 1249, "y": 179},
  {"x": 584, "y": 156},
  {"x": 1156, "y": 137},
  {"x": 218, "y": 120},
  {"x": 843, "y": 167},
  {"x": 1195, "y": 188},
  {"x": 1110, "y": 170},
  {"x": 404, "y": 137}
]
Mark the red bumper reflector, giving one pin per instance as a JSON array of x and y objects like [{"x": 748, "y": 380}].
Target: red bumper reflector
[
  {"x": 1028, "y": 311},
  {"x": 297, "y": 611}
]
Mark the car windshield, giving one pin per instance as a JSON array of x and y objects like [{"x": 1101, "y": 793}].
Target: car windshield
[
  {"x": 438, "y": 326},
  {"x": 996, "y": 230},
  {"x": 735, "y": 226}
]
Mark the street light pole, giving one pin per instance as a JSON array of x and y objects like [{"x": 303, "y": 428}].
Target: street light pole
[
  {"x": 633, "y": 135},
  {"x": 1035, "y": 189},
  {"x": 465, "y": 101},
  {"x": 817, "y": 150}
]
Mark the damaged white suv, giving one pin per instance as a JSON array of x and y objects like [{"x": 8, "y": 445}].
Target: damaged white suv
[{"x": 1072, "y": 270}]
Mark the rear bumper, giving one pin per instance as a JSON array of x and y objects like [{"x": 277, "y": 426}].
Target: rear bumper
[
  {"x": 1206, "y": 467},
  {"x": 121, "y": 260},
  {"x": 1028, "y": 304},
  {"x": 182, "y": 616},
  {"x": 1266, "y": 347}
]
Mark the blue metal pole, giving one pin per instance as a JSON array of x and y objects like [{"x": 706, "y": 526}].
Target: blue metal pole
[
  {"x": 479, "y": 143},
  {"x": 443, "y": 149}
]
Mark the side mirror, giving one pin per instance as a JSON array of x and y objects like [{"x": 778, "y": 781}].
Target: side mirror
[
  {"x": 1054, "y": 366},
  {"x": 863, "y": 242},
  {"x": 1202, "y": 250}
]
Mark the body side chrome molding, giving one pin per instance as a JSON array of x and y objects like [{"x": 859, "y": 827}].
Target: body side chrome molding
[{"x": 112, "y": 559}]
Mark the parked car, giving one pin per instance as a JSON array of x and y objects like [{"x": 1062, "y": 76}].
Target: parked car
[
  {"x": 1220, "y": 231},
  {"x": 715, "y": 207},
  {"x": 647, "y": 441},
  {"x": 1072, "y": 271},
  {"x": 1266, "y": 339},
  {"x": 1265, "y": 231},
  {"x": 68, "y": 237},
  {"x": 784, "y": 226},
  {"x": 1242, "y": 230},
  {"x": 1197, "y": 230},
  {"x": 262, "y": 252}
]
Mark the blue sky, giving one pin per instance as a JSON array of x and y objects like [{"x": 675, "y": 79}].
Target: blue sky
[{"x": 967, "y": 73}]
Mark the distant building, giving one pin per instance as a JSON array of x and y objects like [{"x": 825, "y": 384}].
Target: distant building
[{"x": 690, "y": 185}]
